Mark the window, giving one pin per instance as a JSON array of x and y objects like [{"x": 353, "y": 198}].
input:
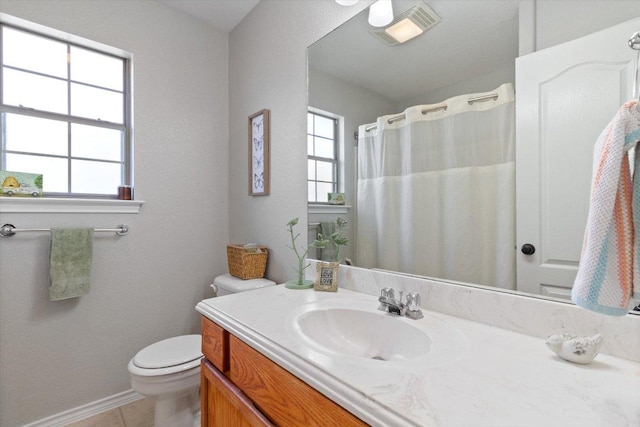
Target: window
[
  {"x": 65, "y": 113},
  {"x": 322, "y": 149}
]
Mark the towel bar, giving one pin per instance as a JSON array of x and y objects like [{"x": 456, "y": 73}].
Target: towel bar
[
  {"x": 315, "y": 224},
  {"x": 8, "y": 230}
]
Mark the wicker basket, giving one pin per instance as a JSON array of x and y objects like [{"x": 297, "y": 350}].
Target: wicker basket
[{"x": 245, "y": 262}]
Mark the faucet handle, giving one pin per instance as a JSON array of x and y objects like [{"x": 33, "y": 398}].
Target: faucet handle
[
  {"x": 385, "y": 294},
  {"x": 413, "y": 306},
  {"x": 413, "y": 301}
]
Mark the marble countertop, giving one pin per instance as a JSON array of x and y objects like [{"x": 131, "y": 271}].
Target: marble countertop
[{"x": 475, "y": 374}]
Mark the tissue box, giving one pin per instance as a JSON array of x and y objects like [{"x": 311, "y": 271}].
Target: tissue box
[
  {"x": 20, "y": 184},
  {"x": 248, "y": 261}
]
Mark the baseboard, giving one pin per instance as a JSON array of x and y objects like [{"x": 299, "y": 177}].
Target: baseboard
[{"x": 85, "y": 411}]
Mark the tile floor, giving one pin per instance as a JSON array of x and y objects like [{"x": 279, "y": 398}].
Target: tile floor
[{"x": 134, "y": 414}]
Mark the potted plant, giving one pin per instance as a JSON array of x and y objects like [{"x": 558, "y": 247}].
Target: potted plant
[{"x": 300, "y": 282}]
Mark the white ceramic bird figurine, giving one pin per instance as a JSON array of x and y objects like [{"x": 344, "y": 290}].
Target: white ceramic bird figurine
[{"x": 574, "y": 348}]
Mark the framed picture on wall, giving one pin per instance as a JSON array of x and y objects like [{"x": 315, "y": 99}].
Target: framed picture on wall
[{"x": 259, "y": 153}]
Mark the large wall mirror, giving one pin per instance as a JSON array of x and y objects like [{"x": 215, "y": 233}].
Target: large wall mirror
[{"x": 461, "y": 75}]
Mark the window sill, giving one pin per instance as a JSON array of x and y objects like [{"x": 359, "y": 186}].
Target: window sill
[
  {"x": 328, "y": 209},
  {"x": 68, "y": 205}
]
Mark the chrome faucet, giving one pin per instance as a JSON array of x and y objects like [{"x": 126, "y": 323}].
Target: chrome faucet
[{"x": 410, "y": 308}]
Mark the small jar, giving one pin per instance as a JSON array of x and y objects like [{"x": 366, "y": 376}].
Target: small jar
[{"x": 125, "y": 192}]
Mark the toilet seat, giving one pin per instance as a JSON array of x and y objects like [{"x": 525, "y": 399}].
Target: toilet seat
[{"x": 168, "y": 356}]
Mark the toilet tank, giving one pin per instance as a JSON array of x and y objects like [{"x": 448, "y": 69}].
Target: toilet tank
[{"x": 227, "y": 284}]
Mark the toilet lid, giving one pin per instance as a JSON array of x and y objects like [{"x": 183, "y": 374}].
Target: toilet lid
[
  {"x": 170, "y": 352},
  {"x": 234, "y": 284}
]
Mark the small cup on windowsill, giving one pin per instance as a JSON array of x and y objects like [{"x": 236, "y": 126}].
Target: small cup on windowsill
[{"x": 125, "y": 192}]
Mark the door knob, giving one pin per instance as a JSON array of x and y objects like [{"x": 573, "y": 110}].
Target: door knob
[{"x": 528, "y": 249}]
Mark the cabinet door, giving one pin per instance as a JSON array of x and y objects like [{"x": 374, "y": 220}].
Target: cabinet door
[
  {"x": 215, "y": 344},
  {"x": 223, "y": 404},
  {"x": 284, "y": 398}
]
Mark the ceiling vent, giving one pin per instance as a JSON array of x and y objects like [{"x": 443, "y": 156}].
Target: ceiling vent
[{"x": 418, "y": 18}]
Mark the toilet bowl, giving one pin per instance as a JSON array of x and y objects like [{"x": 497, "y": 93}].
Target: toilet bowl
[{"x": 169, "y": 370}]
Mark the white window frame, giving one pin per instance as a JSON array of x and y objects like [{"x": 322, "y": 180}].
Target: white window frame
[
  {"x": 337, "y": 160},
  {"x": 125, "y": 127}
]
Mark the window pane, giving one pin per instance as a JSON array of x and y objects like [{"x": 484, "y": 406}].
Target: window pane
[
  {"x": 96, "y": 143},
  {"x": 310, "y": 151},
  {"x": 309, "y": 123},
  {"x": 34, "y": 53},
  {"x": 54, "y": 170},
  {"x": 311, "y": 191},
  {"x": 311, "y": 164},
  {"x": 324, "y": 127},
  {"x": 324, "y": 148},
  {"x": 35, "y": 135},
  {"x": 96, "y": 103},
  {"x": 96, "y": 69},
  {"x": 325, "y": 171},
  {"x": 323, "y": 190},
  {"x": 31, "y": 91},
  {"x": 41, "y": 74},
  {"x": 95, "y": 177}
]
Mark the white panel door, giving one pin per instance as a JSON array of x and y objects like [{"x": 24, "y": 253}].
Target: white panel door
[{"x": 565, "y": 96}]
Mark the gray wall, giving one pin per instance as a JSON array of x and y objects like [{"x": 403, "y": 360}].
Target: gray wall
[{"x": 55, "y": 356}]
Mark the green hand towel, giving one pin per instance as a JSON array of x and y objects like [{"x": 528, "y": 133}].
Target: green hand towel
[
  {"x": 70, "y": 262},
  {"x": 328, "y": 253}
]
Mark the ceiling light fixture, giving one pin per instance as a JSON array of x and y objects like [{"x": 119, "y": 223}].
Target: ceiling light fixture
[
  {"x": 407, "y": 25},
  {"x": 346, "y": 2},
  {"x": 404, "y": 30},
  {"x": 380, "y": 13}
]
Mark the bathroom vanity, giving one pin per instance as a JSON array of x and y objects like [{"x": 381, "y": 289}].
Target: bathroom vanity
[
  {"x": 287, "y": 357},
  {"x": 237, "y": 380}
]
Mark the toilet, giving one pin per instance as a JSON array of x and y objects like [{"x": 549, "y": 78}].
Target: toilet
[
  {"x": 169, "y": 370},
  {"x": 227, "y": 284}
]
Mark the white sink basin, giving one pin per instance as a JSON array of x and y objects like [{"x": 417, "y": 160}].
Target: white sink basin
[{"x": 369, "y": 334}]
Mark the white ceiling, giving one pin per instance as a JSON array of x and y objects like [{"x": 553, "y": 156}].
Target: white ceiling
[
  {"x": 222, "y": 15},
  {"x": 474, "y": 38}
]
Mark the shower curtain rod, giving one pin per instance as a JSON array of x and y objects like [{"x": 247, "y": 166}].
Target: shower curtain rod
[
  {"x": 9, "y": 230},
  {"x": 402, "y": 116}
]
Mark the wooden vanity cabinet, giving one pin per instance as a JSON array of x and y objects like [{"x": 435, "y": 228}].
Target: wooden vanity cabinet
[
  {"x": 215, "y": 344},
  {"x": 224, "y": 404},
  {"x": 241, "y": 387}
]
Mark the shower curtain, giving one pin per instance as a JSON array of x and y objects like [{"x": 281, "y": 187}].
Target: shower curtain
[{"x": 436, "y": 191}]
